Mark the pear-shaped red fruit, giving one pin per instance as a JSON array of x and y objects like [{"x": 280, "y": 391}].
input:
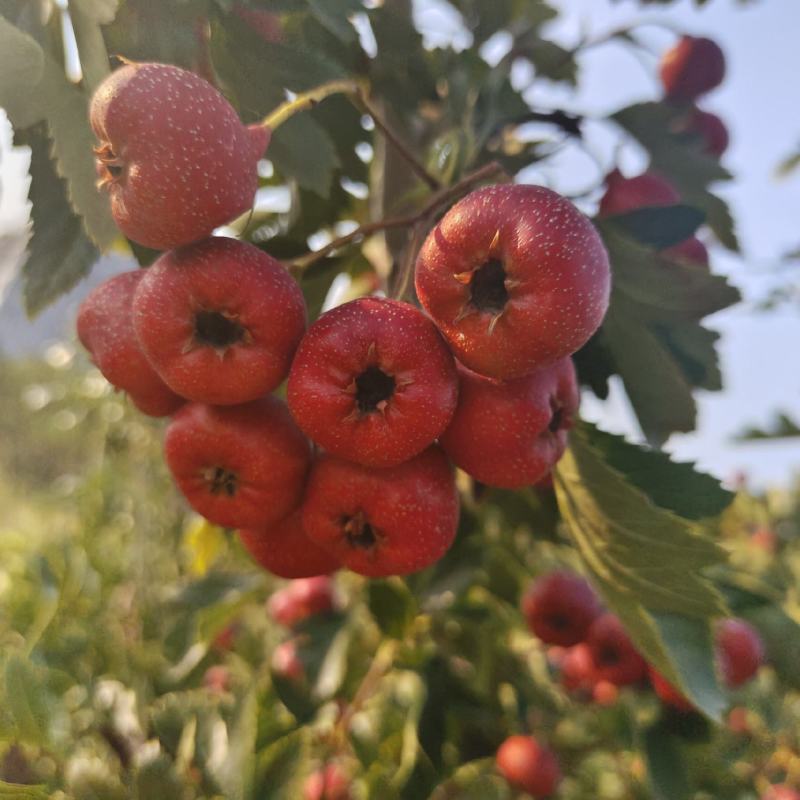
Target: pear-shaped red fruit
[
  {"x": 380, "y": 522},
  {"x": 105, "y": 329},
  {"x": 219, "y": 320},
  {"x": 173, "y": 154},
  {"x": 284, "y": 549},
  {"x": 515, "y": 277},
  {"x": 373, "y": 382},
  {"x": 239, "y": 466},
  {"x": 511, "y": 434}
]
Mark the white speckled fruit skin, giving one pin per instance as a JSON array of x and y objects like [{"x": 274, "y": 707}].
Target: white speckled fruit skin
[
  {"x": 188, "y": 163},
  {"x": 557, "y": 277}
]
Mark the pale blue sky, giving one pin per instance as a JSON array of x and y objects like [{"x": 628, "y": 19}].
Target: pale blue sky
[{"x": 761, "y": 105}]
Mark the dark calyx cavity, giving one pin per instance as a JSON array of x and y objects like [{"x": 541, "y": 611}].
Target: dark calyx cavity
[
  {"x": 487, "y": 289},
  {"x": 214, "y": 329},
  {"x": 373, "y": 387}
]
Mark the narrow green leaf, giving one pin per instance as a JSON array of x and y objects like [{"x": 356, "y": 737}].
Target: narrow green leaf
[
  {"x": 21, "y": 69},
  {"x": 666, "y": 764},
  {"x": 281, "y": 768},
  {"x": 660, "y": 226},
  {"x": 236, "y": 773},
  {"x": 392, "y": 605},
  {"x": 17, "y": 791},
  {"x": 26, "y": 700},
  {"x": 333, "y": 15}
]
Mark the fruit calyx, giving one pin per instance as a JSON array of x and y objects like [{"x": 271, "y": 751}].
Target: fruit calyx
[
  {"x": 110, "y": 167},
  {"x": 487, "y": 288},
  {"x": 358, "y": 531},
  {"x": 218, "y": 330},
  {"x": 221, "y": 481},
  {"x": 373, "y": 389}
]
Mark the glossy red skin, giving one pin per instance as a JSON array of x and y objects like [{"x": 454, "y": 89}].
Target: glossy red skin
[
  {"x": 667, "y": 693},
  {"x": 711, "y": 129},
  {"x": 694, "y": 66},
  {"x": 412, "y": 509},
  {"x": 557, "y": 279},
  {"x": 243, "y": 283},
  {"x": 780, "y": 791},
  {"x": 286, "y": 662},
  {"x": 266, "y": 24},
  {"x": 403, "y": 343},
  {"x": 560, "y": 607},
  {"x": 615, "y": 658},
  {"x": 328, "y": 783},
  {"x": 302, "y": 599},
  {"x": 284, "y": 549},
  {"x": 528, "y": 765},
  {"x": 256, "y": 441},
  {"x": 105, "y": 329},
  {"x": 188, "y": 165},
  {"x": 689, "y": 251},
  {"x": 740, "y": 651},
  {"x": 577, "y": 669},
  {"x": 501, "y": 434},
  {"x": 627, "y": 194}
]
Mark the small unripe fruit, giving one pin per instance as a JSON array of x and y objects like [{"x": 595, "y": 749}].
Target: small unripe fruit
[
  {"x": 605, "y": 693},
  {"x": 286, "y": 662},
  {"x": 694, "y": 66},
  {"x": 528, "y": 765},
  {"x": 328, "y": 783},
  {"x": 217, "y": 679},
  {"x": 219, "y": 320},
  {"x": 627, "y": 194},
  {"x": 380, "y": 522},
  {"x": 560, "y": 607},
  {"x": 173, "y": 154},
  {"x": 284, "y": 549},
  {"x": 511, "y": 434},
  {"x": 239, "y": 466},
  {"x": 265, "y": 23},
  {"x": 515, "y": 277},
  {"x": 577, "y": 669},
  {"x": 740, "y": 651},
  {"x": 615, "y": 658},
  {"x": 373, "y": 382},
  {"x": 105, "y": 329},
  {"x": 302, "y": 599}
]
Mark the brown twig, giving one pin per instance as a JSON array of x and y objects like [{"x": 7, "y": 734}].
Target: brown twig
[{"x": 437, "y": 200}]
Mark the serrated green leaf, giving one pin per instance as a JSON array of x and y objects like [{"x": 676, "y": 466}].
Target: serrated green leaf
[
  {"x": 782, "y": 427},
  {"x": 17, "y": 791},
  {"x": 675, "y": 486},
  {"x": 281, "y": 768},
  {"x": 660, "y": 226},
  {"x": 666, "y": 764},
  {"x": 333, "y": 15},
  {"x": 647, "y": 563},
  {"x": 552, "y": 61},
  {"x": 302, "y": 151},
  {"x": 392, "y": 605},
  {"x": 21, "y": 70},
  {"x": 59, "y": 253}
]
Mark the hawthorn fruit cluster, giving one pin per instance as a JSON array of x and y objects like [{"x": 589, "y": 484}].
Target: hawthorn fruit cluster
[{"x": 354, "y": 469}]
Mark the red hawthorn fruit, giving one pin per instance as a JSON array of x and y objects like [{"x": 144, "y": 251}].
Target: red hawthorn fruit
[
  {"x": 627, "y": 194},
  {"x": 217, "y": 679},
  {"x": 380, "y": 522},
  {"x": 765, "y": 539},
  {"x": 328, "y": 783},
  {"x": 693, "y": 66},
  {"x": 667, "y": 692},
  {"x": 105, "y": 329},
  {"x": 286, "y": 663},
  {"x": 615, "y": 658},
  {"x": 515, "y": 277},
  {"x": 511, "y": 434},
  {"x": 239, "y": 466},
  {"x": 780, "y": 791},
  {"x": 605, "y": 693},
  {"x": 284, "y": 549},
  {"x": 560, "y": 608},
  {"x": 689, "y": 251},
  {"x": 738, "y": 721},
  {"x": 173, "y": 154},
  {"x": 373, "y": 382},
  {"x": 301, "y": 599},
  {"x": 226, "y": 638},
  {"x": 711, "y": 129},
  {"x": 577, "y": 669},
  {"x": 528, "y": 765},
  {"x": 219, "y": 320},
  {"x": 266, "y": 24},
  {"x": 740, "y": 651}
]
